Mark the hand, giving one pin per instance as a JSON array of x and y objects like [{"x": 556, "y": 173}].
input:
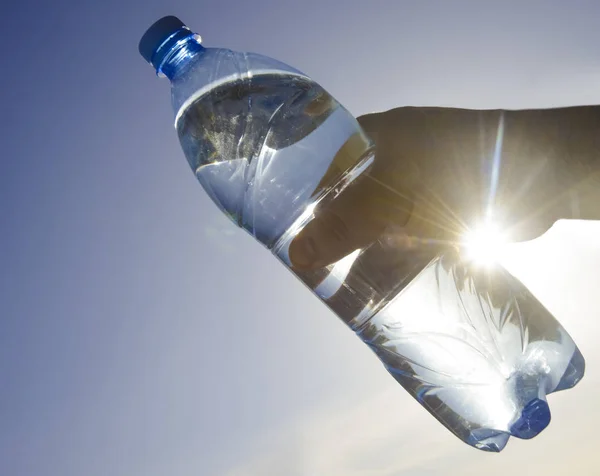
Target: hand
[{"x": 440, "y": 171}]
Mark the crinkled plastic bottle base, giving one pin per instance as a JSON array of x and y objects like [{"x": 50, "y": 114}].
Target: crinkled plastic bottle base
[{"x": 535, "y": 416}]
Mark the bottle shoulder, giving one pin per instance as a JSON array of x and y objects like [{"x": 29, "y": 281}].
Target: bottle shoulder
[{"x": 217, "y": 66}]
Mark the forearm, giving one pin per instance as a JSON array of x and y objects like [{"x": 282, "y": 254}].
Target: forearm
[
  {"x": 565, "y": 142},
  {"x": 531, "y": 167}
]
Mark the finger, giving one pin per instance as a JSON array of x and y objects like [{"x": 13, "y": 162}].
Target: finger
[
  {"x": 325, "y": 240},
  {"x": 360, "y": 214},
  {"x": 353, "y": 220}
]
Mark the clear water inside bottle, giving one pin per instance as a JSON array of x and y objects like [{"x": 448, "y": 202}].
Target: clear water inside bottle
[
  {"x": 277, "y": 153},
  {"x": 261, "y": 144}
]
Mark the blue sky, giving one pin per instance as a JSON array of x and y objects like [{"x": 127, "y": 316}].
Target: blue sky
[{"x": 140, "y": 334}]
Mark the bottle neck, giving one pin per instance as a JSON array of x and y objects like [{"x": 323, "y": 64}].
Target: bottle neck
[{"x": 175, "y": 53}]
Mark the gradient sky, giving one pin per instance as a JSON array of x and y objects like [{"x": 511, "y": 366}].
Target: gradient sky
[{"x": 141, "y": 334}]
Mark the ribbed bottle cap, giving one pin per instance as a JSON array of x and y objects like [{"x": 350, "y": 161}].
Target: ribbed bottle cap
[{"x": 156, "y": 35}]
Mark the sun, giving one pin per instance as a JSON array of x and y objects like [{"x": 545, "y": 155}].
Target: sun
[{"x": 485, "y": 244}]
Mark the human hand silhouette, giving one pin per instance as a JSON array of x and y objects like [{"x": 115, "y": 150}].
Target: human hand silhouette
[{"x": 438, "y": 172}]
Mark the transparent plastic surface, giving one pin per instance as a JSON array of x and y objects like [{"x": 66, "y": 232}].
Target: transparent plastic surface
[
  {"x": 247, "y": 141},
  {"x": 194, "y": 69},
  {"x": 275, "y": 152},
  {"x": 477, "y": 349}
]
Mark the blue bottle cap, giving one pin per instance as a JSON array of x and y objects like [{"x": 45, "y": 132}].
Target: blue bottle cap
[{"x": 157, "y": 34}]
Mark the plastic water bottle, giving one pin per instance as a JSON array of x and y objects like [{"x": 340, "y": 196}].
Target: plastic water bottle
[{"x": 275, "y": 152}]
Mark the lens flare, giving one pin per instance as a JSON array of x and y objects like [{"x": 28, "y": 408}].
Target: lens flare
[{"x": 484, "y": 245}]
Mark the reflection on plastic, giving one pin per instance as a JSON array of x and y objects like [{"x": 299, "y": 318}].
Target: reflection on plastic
[
  {"x": 277, "y": 154},
  {"x": 477, "y": 350}
]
